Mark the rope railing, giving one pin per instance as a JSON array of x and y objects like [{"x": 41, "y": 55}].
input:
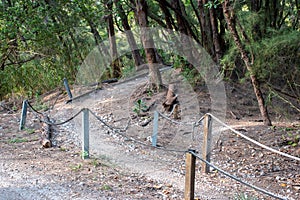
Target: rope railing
[
  {"x": 252, "y": 140},
  {"x": 235, "y": 178},
  {"x": 114, "y": 129},
  {"x": 173, "y": 121},
  {"x": 52, "y": 123},
  {"x": 194, "y": 124},
  {"x": 122, "y": 132}
]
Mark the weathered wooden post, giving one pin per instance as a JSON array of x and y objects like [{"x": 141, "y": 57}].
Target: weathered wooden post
[
  {"x": 155, "y": 129},
  {"x": 23, "y": 115},
  {"x": 66, "y": 84},
  {"x": 190, "y": 163},
  {"x": 85, "y": 133},
  {"x": 206, "y": 143}
]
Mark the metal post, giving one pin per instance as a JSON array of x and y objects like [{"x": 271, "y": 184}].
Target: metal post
[
  {"x": 85, "y": 133},
  {"x": 155, "y": 129},
  {"x": 66, "y": 84},
  {"x": 190, "y": 163},
  {"x": 23, "y": 115},
  {"x": 206, "y": 142}
]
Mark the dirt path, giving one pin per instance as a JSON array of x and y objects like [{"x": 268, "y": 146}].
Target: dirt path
[
  {"x": 113, "y": 106},
  {"x": 122, "y": 169}
]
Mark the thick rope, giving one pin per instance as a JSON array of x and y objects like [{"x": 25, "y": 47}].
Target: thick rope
[
  {"x": 254, "y": 141},
  {"x": 48, "y": 122},
  {"x": 66, "y": 121},
  {"x": 33, "y": 109},
  {"x": 236, "y": 179}
]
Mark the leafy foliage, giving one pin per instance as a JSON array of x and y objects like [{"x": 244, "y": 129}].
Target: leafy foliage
[
  {"x": 277, "y": 60},
  {"x": 44, "y": 41},
  {"x": 42, "y": 44},
  {"x": 139, "y": 106},
  {"x": 18, "y": 140}
]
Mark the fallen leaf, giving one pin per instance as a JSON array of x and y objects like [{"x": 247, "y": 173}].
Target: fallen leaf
[{"x": 283, "y": 184}]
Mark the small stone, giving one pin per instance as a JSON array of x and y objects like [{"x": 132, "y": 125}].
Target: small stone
[
  {"x": 276, "y": 169},
  {"x": 81, "y": 184},
  {"x": 296, "y": 187}
]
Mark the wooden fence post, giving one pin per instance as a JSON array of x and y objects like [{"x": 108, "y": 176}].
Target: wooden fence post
[
  {"x": 68, "y": 88},
  {"x": 23, "y": 115},
  {"x": 85, "y": 133},
  {"x": 190, "y": 163},
  {"x": 206, "y": 143},
  {"x": 155, "y": 129}
]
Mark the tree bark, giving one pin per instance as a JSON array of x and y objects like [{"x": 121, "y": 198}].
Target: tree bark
[
  {"x": 116, "y": 62},
  {"x": 215, "y": 35},
  {"x": 184, "y": 28},
  {"x": 148, "y": 43},
  {"x": 255, "y": 5},
  {"x": 230, "y": 19},
  {"x": 168, "y": 17},
  {"x": 178, "y": 7},
  {"x": 171, "y": 98},
  {"x": 206, "y": 30},
  {"x": 210, "y": 20},
  {"x": 130, "y": 38}
]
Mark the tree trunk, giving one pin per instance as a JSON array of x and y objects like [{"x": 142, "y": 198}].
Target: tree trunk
[
  {"x": 171, "y": 98},
  {"x": 255, "y": 5},
  {"x": 212, "y": 30},
  {"x": 183, "y": 27},
  {"x": 168, "y": 17},
  {"x": 206, "y": 30},
  {"x": 148, "y": 43},
  {"x": 130, "y": 38},
  {"x": 230, "y": 19},
  {"x": 215, "y": 35},
  {"x": 98, "y": 41},
  {"x": 179, "y": 9},
  {"x": 116, "y": 62}
]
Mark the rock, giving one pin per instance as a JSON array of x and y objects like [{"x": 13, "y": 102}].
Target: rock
[
  {"x": 81, "y": 184},
  {"x": 145, "y": 122},
  {"x": 276, "y": 168}
]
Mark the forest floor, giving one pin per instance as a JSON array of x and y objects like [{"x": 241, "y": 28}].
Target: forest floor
[{"x": 119, "y": 168}]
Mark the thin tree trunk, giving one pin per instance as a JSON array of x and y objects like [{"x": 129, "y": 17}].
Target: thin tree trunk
[
  {"x": 183, "y": 27},
  {"x": 116, "y": 62},
  {"x": 168, "y": 17},
  {"x": 230, "y": 19},
  {"x": 179, "y": 10},
  {"x": 130, "y": 38},
  {"x": 100, "y": 46},
  {"x": 171, "y": 25},
  {"x": 206, "y": 30},
  {"x": 148, "y": 43},
  {"x": 215, "y": 35},
  {"x": 76, "y": 45}
]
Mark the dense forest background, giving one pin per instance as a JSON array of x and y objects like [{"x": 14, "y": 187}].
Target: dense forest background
[{"x": 254, "y": 41}]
